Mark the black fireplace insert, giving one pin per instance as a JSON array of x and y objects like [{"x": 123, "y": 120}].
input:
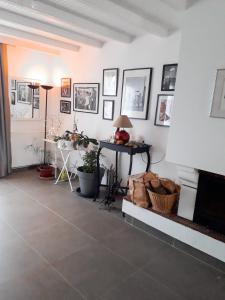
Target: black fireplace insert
[{"x": 210, "y": 201}]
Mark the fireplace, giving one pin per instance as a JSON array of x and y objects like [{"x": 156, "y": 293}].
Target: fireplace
[{"x": 210, "y": 201}]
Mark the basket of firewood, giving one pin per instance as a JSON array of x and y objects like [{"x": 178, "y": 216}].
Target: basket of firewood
[{"x": 164, "y": 194}]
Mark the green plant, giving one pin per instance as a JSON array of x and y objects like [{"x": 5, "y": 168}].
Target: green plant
[{"x": 90, "y": 161}]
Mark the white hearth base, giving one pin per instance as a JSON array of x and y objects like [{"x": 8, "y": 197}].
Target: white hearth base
[{"x": 178, "y": 231}]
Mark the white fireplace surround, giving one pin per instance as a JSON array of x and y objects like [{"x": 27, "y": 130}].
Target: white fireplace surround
[{"x": 188, "y": 178}]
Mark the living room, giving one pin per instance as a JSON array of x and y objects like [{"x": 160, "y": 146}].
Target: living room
[{"x": 111, "y": 149}]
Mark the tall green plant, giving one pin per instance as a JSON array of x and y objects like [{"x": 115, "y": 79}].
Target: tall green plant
[{"x": 90, "y": 161}]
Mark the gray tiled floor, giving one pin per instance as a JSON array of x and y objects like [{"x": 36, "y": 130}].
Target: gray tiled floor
[{"x": 56, "y": 245}]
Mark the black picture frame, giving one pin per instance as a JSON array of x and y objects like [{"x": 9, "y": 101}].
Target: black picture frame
[
  {"x": 13, "y": 84},
  {"x": 147, "y": 91},
  {"x": 67, "y": 109},
  {"x": 115, "y": 89},
  {"x": 164, "y": 122},
  {"x": 28, "y": 96},
  {"x": 104, "y": 117},
  {"x": 88, "y": 86},
  {"x": 36, "y": 102},
  {"x": 13, "y": 98},
  {"x": 66, "y": 87},
  {"x": 168, "y": 83}
]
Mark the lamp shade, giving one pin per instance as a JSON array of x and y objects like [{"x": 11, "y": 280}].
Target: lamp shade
[{"x": 123, "y": 121}]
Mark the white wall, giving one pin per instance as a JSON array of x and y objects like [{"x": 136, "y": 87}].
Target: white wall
[
  {"x": 195, "y": 139},
  {"x": 87, "y": 66}
]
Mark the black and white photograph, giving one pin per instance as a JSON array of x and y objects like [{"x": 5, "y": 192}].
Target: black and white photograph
[
  {"x": 65, "y": 107},
  {"x": 108, "y": 109},
  {"x": 13, "y": 98},
  {"x": 13, "y": 84},
  {"x": 86, "y": 97},
  {"x": 164, "y": 110},
  {"x": 169, "y": 77},
  {"x": 37, "y": 92},
  {"x": 66, "y": 87},
  {"x": 218, "y": 103},
  {"x": 110, "y": 82},
  {"x": 24, "y": 93},
  {"x": 136, "y": 93},
  {"x": 36, "y": 102}
]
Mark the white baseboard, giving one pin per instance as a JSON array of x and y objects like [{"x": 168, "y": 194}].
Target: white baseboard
[{"x": 178, "y": 231}]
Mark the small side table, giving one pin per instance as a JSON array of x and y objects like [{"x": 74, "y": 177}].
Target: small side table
[{"x": 131, "y": 151}]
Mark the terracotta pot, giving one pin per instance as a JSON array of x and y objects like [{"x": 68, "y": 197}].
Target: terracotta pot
[{"x": 46, "y": 171}]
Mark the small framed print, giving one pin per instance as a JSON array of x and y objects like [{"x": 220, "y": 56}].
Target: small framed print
[
  {"x": 169, "y": 77},
  {"x": 13, "y": 98},
  {"x": 110, "y": 82},
  {"x": 164, "y": 110},
  {"x": 37, "y": 92},
  {"x": 86, "y": 97},
  {"x": 36, "y": 102},
  {"x": 66, "y": 87},
  {"x": 136, "y": 93},
  {"x": 218, "y": 102},
  {"x": 65, "y": 107},
  {"x": 13, "y": 84},
  {"x": 24, "y": 94},
  {"x": 108, "y": 109}
]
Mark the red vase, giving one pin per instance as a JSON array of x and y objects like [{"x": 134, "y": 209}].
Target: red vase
[{"x": 122, "y": 135}]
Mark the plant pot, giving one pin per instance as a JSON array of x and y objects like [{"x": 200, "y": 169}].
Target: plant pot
[
  {"x": 88, "y": 182},
  {"x": 46, "y": 172}
]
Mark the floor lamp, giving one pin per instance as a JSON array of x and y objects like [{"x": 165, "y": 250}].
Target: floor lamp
[
  {"x": 33, "y": 86},
  {"x": 46, "y": 88}
]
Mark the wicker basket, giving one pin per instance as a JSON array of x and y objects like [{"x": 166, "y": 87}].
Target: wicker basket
[{"x": 164, "y": 203}]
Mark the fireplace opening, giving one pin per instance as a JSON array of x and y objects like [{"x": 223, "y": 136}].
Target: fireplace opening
[{"x": 210, "y": 201}]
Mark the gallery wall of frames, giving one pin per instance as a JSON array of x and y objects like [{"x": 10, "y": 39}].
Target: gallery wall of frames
[{"x": 135, "y": 94}]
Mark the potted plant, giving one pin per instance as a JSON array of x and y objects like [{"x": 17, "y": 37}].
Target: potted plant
[
  {"x": 46, "y": 170},
  {"x": 87, "y": 174}
]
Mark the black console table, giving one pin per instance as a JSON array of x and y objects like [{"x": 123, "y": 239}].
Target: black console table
[{"x": 131, "y": 151}]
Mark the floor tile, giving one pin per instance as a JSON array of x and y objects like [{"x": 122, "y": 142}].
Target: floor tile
[
  {"x": 68, "y": 207},
  {"x": 17, "y": 259},
  {"x": 93, "y": 270},
  {"x": 6, "y": 233},
  {"x": 43, "y": 285},
  {"x": 134, "y": 245},
  {"x": 24, "y": 214},
  {"x": 139, "y": 286},
  {"x": 99, "y": 224},
  {"x": 58, "y": 241},
  {"x": 186, "y": 276}
]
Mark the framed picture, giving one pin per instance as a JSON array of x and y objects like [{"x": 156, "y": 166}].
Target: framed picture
[
  {"x": 218, "y": 102},
  {"x": 163, "y": 110},
  {"x": 136, "y": 93},
  {"x": 13, "y": 98},
  {"x": 36, "y": 102},
  {"x": 24, "y": 93},
  {"x": 169, "y": 77},
  {"x": 110, "y": 82},
  {"x": 13, "y": 84},
  {"x": 65, "y": 107},
  {"x": 86, "y": 97},
  {"x": 108, "y": 109},
  {"x": 37, "y": 92},
  {"x": 66, "y": 87}
]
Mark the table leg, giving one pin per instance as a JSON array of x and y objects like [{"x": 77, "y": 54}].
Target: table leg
[
  {"x": 131, "y": 164},
  {"x": 116, "y": 166},
  {"x": 98, "y": 175},
  {"x": 149, "y": 161},
  {"x": 65, "y": 161}
]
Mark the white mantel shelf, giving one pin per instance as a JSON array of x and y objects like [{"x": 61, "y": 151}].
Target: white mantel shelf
[{"x": 178, "y": 231}]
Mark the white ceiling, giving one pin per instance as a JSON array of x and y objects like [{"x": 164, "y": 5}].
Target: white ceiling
[{"x": 69, "y": 24}]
